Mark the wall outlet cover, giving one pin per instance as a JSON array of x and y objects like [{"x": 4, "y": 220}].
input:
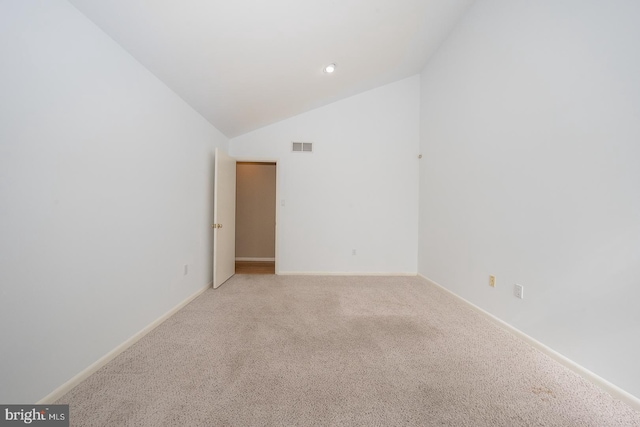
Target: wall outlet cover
[{"x": 518, "y": 291}]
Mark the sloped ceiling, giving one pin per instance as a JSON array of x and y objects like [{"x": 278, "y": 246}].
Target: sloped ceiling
[{"x": 244, "y": 64}]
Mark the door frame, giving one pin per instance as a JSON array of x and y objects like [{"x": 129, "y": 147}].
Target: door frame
[{"x": 277, "y": 163}]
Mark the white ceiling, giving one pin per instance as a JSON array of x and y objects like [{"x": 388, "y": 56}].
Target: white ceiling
[{"x": 244, "y": 64}]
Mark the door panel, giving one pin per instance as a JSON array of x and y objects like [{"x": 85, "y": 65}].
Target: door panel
[{"x": 224, "y": 218}]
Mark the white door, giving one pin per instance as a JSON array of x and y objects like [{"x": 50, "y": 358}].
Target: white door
[{"x": 224, "y": 218}]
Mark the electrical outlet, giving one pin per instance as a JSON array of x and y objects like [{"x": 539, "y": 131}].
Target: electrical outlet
[
  {"x": 186, "y": 269},
  {"x": 492, "y": 281},
  {"x": 353, "y": 252},
  {"x": 518, "y": 291}
]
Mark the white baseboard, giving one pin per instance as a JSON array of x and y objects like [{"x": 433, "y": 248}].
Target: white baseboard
[
  {"x": 342, "y": 273},
  {"x": 85, "y": 373},
  {"x": 610, "y": 388},
  {"x": 255, "y": 259}
]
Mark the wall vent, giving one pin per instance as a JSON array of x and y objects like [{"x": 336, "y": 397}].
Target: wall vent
[{"x": 302, "y": 147}]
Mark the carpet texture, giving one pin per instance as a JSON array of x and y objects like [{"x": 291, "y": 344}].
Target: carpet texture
[{"x": 336, "y": 351}]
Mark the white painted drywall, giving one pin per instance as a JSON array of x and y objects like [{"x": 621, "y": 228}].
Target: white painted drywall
[
  {"x": 267, "y": 56},
  {"x": 530, "y": 127},
  {"x": 105, "y": 194},
  {"x": 357, "y": 190}
]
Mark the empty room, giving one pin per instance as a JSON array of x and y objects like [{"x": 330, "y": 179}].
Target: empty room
[{"x": 450, "y": 234}]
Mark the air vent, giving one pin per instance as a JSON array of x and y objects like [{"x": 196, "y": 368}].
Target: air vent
[{"x": 302, "y": 147}]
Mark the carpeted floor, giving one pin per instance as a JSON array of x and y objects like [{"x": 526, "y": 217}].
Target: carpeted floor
[{"x": 336, "y": 351}]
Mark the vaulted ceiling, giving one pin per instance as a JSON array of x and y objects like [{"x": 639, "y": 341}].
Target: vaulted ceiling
[{"x": 244, "y": 64}]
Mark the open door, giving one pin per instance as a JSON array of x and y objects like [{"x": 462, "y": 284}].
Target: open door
[{"x": 224, "y": 218}]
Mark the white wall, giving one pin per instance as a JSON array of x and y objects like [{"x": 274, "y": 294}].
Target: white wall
[
  {"x": 104, "y": 195},
  {"x": 530, "y": 126},
  {"x": 357, "y": 190}
]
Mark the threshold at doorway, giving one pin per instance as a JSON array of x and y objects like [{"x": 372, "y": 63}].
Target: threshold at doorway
[{"x": 255, "y": 267}]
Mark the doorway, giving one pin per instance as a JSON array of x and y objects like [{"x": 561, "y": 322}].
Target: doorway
[{"x": 255, "y": 217}]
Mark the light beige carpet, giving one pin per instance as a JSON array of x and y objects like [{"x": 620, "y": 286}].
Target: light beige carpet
[{"x": 336, "y": 351}]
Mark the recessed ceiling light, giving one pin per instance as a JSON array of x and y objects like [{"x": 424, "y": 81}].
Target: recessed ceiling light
[{"x": 330, "y": 68}]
